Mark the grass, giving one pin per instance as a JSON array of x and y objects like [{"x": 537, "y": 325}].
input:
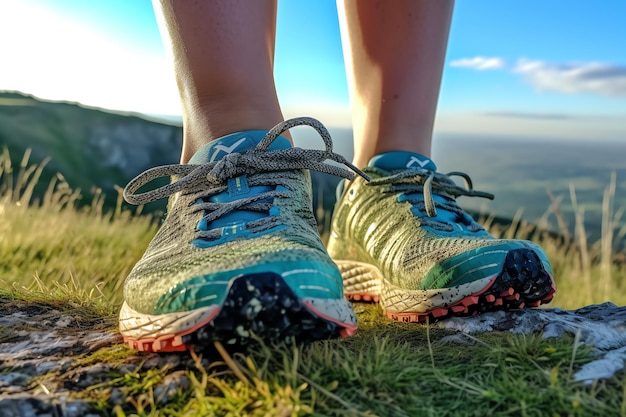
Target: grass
[
  {"x": 53, "y": 241},
  {"x": 76, "y": 258},
  {"x": 379, "y": 374}
]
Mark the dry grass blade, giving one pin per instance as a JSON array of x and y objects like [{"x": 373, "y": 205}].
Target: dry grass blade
[
  {"x": 232, "y": 365},
  {"x": 555, "y": 204},
  {"x": 581, "y": 238},
  {"x": 606, "y": 241}
]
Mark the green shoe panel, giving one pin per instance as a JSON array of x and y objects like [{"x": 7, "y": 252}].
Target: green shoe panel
[
  {"x": 476, "y": 264},
  {"x": 370, "y": 225},
  {"x": 307, "y": 279}
]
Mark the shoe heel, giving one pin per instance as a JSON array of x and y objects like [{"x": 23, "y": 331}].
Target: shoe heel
[{"x": 361, "y": 281}]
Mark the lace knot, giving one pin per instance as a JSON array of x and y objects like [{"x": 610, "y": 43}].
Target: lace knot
[{"x": 227, "y": 167}]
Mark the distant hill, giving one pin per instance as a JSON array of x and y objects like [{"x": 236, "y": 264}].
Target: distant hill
[{"x": 89, "y": 147}]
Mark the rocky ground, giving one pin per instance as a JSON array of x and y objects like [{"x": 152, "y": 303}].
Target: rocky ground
[
  {"x": 50, "y": 354},
  {"x": 600, "y": 326},
  {"x": 45, "y": 367}
]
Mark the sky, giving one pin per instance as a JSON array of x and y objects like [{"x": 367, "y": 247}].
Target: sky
[{"x": 517, "y": 68}]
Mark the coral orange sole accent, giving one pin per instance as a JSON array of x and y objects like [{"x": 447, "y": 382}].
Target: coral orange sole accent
[
  {"x": 165, "y": 343},
  {"x": 472, "y": 305},
  {"x": 372, "y": 298}
]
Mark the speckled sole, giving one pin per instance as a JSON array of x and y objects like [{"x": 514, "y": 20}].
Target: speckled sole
[
  {"x": 257, "y": 307},
  {"x": 522, "y": 282}
]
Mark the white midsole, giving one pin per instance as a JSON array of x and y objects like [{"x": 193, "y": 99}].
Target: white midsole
[
  {"x": 141, "y": 326},
  {"x": 366, "y": 279},
  {"x": 136, "y": 325}
]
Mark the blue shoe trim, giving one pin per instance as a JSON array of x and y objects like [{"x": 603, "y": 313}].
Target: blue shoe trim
[
  {"x": 234, "y": 231},
  {"x": 395, "y": 160},
  {"x": 234, "y": 194},
  {"x": 233, "y": 224},
  {"x": 462, "y": 232},
  {"x": 459, "y": 228},
  {"x": 238, "y": 142}
]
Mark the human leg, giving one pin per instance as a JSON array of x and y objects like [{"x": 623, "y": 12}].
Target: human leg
[
  {"x": 401, "y": 238},
  {"x": 223, "y": 55},
  {"x": 394, "y": 53},
  {"x": 238, "y": 256}
]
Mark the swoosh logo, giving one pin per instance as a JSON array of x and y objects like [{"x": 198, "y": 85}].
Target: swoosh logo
[
  {"x": 226, "y": 149},
  {"x": 419, "y": 162}
]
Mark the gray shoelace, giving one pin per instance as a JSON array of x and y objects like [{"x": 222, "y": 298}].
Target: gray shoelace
[
  {"x": 427, "y": 182},
  {"x": 208, "y": 179}
]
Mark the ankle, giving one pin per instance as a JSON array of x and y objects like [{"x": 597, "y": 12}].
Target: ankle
[
  {"x": 210, "y": 119},
  {"x": 393, "y": 137}
]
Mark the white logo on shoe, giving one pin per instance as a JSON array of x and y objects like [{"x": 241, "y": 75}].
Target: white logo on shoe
[
  {"x": 415, "y": 159},
  {"x": 225, "y": 149}
]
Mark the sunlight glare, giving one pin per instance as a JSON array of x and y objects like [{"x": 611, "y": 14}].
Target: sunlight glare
[{"x": 52, "y": 56}]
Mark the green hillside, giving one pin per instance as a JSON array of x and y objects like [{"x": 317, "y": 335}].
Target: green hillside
[{"x": 89, "y": 147}]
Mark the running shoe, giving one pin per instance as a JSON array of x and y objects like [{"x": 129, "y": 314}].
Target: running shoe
[
  {"x": 402, "y": 240},
  {"x": 238, "y": 257}
]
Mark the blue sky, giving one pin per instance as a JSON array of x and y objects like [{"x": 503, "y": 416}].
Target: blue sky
[{"x": 518, "y": 68}]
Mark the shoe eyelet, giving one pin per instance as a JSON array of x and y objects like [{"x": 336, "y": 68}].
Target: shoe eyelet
[{"x": 351, "y": 193}]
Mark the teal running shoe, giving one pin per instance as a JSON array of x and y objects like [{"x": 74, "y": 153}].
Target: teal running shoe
[
  {"x": 402, "y": 240},
  {"x": 238, "y": 256}
]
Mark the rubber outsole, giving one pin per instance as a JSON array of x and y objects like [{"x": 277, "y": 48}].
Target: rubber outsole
[
  {"x": 523, "y": 282},
  {"x": 258, "y": 307}
]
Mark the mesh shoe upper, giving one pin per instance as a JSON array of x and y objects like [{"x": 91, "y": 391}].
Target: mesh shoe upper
[
  {"x": 242, "y": 205},
  {"x": 406, "y": 222}
]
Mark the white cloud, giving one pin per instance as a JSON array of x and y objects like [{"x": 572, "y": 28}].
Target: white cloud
[
  {"x": 587, "y": 77},
  {"x": 479, "y": 63}
]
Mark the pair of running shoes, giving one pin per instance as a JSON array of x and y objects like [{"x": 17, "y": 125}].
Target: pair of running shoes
[{"x": 239, "y": 257}]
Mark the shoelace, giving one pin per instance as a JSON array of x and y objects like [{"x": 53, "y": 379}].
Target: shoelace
[
  {"x": 208, "y": 179},
  {"x": 428, "y": 182}
]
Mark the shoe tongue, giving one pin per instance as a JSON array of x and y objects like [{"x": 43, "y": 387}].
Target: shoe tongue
[
  {"x": 392, "y": 161},
  {"x": 235, "y": 143},
  {"x": 236, "y": 187},
  {"x": 397, "y": 160}
]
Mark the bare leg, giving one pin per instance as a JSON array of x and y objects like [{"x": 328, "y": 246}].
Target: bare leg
[
  {"x": 223, "y": 54},
  {"x": 394, "y": 52}
]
